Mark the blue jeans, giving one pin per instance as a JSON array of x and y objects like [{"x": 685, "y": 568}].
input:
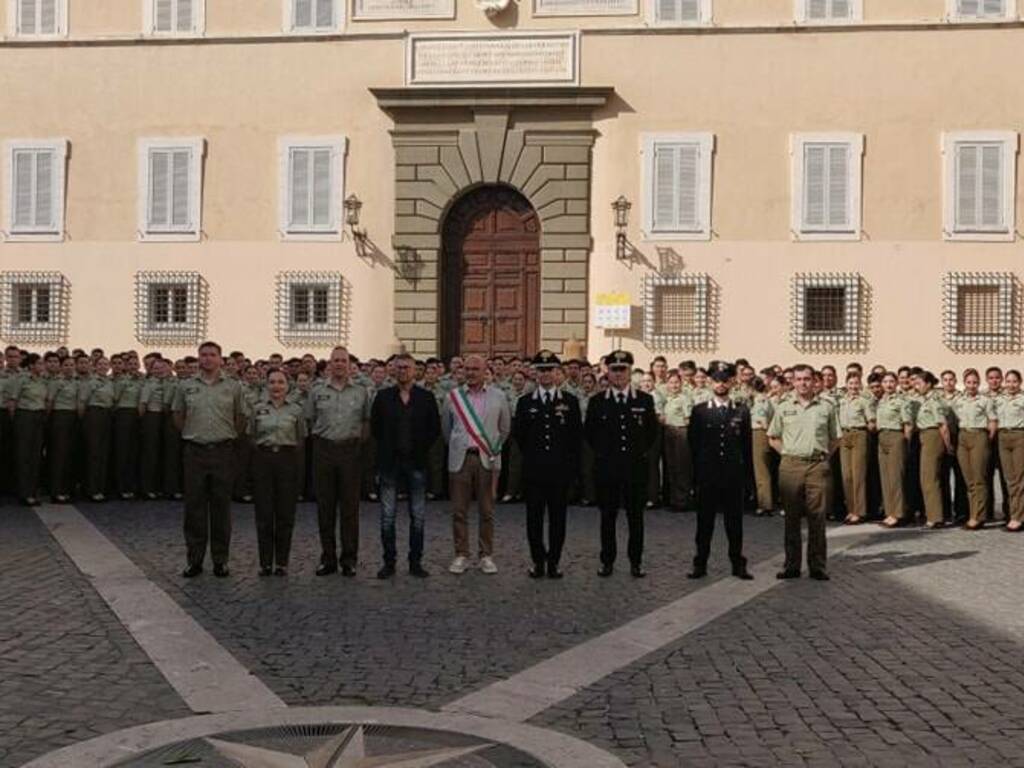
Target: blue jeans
[{"x": 415, "y": 481}]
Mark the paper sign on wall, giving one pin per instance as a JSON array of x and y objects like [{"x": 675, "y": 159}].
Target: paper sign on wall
[{"x": 613, "y": 311}]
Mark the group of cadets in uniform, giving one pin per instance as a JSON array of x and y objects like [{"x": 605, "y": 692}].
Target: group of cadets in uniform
[{"x": 892, "y": 446}]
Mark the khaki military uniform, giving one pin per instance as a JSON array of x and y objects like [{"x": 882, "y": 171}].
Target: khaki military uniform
[
  {"x": 973, "y": 416},
  {"x": 127, "y": 391},
  {"x": 892, "y": 413},
  {"x": 762, "y": 409},
  {"x": 96, "y": 403},
  {"x": 808, "y": 432},
  {"x": 930, "y": 418},
  {"x": 856, "y": 418},
  {"x": 674, "y": 411},
  {"x": 151, "y": 413},
  {"x": 1010, "y": 415},
  {"x": 172, "y": 446},
  {"x": 62, "y": 396},
  {"x": 28, "y": 393}
]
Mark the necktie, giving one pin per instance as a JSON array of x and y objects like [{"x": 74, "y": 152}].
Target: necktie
[
  {"x": 544, "y": 397},
  {"x": 622, "y": 399}
]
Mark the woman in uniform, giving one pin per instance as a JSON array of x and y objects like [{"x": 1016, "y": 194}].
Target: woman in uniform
[
  {"x": 127, "y": 388},
  {"x": 931, "y": 423},
  {"x": 1010, "y": 415},
  {"x": 278, "y": 430},
  {"x": 27, "y": 406},
  {"x": 95, "y": 402},
  {"x": 62, "y": 396},
  {"x": 976, "y": 419},
  {"x": 513, "y": 455},
  {"x": 761, "y": 411},
  {"x": 673, "y": 406},
  {"x": 588, "y": 487},
  {"x": 151, "y": 423},
  {"x": 648, "y": 384},
  {"x": 856, "y": 420},
  {"x": 894, "y": 420}
]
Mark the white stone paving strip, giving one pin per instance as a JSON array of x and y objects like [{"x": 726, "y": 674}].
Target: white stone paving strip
[
  {"x": 543, "y": 685},
  {"x": 204, "y": 674}
]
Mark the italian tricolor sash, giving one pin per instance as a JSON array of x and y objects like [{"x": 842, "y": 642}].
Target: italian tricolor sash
[{"x": 471, "y": 422}]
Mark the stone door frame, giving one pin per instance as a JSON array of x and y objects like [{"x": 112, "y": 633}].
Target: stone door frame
[{"x": 448, "y": 141}]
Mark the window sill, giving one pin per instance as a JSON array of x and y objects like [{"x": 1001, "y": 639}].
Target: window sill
[
  {"x": 34, "y": 237},
  {"x": 979, "y": 237},
  {"x": 168, "y": 237}
]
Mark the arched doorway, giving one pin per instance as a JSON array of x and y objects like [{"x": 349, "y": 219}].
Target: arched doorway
[{"x": 491, "y": 274}]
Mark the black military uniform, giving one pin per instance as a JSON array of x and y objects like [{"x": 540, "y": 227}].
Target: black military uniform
[
  {"x": 548, "y": 429},
  {"x": 720, "y": 443},
  {"x": 621, "y": 428}
]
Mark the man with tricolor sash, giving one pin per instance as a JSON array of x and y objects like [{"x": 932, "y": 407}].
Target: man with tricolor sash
[{"x": 475, "y": 423}]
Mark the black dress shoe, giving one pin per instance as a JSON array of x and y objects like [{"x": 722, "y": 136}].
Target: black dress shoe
[
  {"x": 265, "y": 570},
  {"x": 697, "y": 573},
  {"x": 605, "y": 571},
  {"x": 417, "y": 570},
  {"x": 637, "y": 571},
  {"x": 788, "y": 574},
  {"x": 553, "y": 572},
  {"x": 537, "y": 572},
  {"x": 221, "y": 571},
  {"x": 281, "y": 571},
  {"x": 191, "y": 571},
  {"x": 326, "y": 570},
  {"x": 819, "y": 575},
  {"x": 348, "y": 570},
  {"x": 386, "y": 572},
  {"x": 30, "y": 501},
  {"x": 742, "y": 573}
]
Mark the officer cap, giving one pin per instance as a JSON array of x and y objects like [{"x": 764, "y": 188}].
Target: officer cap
[
  {"x": 546, "y": 359},
  {"x": 620, "y": 358},
  {"x": 720, "y": 370}
]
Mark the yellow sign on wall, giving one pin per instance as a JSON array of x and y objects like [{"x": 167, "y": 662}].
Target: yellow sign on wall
[{"x": 613, "y": 311}]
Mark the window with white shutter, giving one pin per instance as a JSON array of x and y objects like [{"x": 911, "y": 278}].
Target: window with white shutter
[
  {"x": 305, "y": 16},
  {"x": 312, "y": 185},
  {"x": 35, "y": 189},
  {"x": 37, "y": 18},
  {"x": 829, "y": 11},
  {"x": 827, "y": 186},
  {"x": 677, "y": 185},
  {"x": 174, "y": 17},
  {"x": 680, "y": 12},
  {"x": 981, "y": 10},
  {"x": 980, "y": 175},
  {"x": 170, "y": 189}
]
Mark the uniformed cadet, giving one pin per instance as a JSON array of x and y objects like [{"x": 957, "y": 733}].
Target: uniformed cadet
[
  {"x": 62, "y": 397},
  {"x": 994, "y": 384},
  {"x": 930, "y": 421},
  {"x": 874, "y": 394},
  {"x": 649, "y": 384},
  {"x": 26, "y": 403},
  {"x": 673, "y": 406},
  {"x": 299, "y": 394},
  {"x": 277, "y": 429},
  {"x": 125, "y": 435},
  {"x": 977, "y": 427},
  {"x": 435, "y": 456},
  {"x": 588, "y": 480},
  {"x": 379, "y": 379},
  {"x": 856, "y": 420},
  {"x": 1010, "y": 417},
  {"x": 762, "y": 408},
  {"x": 172, "y": 446},
  {"x": 95, "y": 403},
  {"x": 339, "y": 411},
  {"x": 806, "y": 432},
  {"x": 720, "y": 442},
  {"x": 621, "y": 427},
  {"x": 512, "y": 458},
  {"x": 252, "y": 393},
  {"x": 955, "y": 503},
  {"x": 11, "y": 370},
  {"x": 548, "y": 428},
  {"x": 151, "y": 429},
  {"x": 210, "y": 414},
  {"x": 894, "y": 420},
  {"x": 912, "y": 475}
]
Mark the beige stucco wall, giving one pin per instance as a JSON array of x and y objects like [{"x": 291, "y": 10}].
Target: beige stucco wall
[{"x": 901, "y": 88}]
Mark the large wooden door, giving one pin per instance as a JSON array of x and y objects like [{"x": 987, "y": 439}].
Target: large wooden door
[{"x": 491, "y": 292}]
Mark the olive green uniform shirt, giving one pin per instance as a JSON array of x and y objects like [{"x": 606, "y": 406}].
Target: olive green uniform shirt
[
  {"x": 338, "y": 413},
  {"x": 63, "y": 394},
  {"x": 856, "y": 412},
  {"x": 701, "y": 395},
  {"x": 893, "y": 411},
  {"x": 1010, "y": 411},
  {"x": 271, "y": 425},
  {"x": 675, "y": 409},
  {"x": 974, "y": 412},
  {"x": 807, "y": 430},
  {"x": 762, "y": 409},
  {"x": 932, "y": 411},
  {"x": 96, "y": 392},
  {"x": 29, "y": 392},
  {"x": 212, "y": 411},
  {"x": 151, "y": 395},
  {"x": 127, "y": 390},
  {"x": 170, "y": 390}
]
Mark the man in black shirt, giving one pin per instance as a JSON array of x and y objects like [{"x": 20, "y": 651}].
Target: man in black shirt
[{"x": 405, "y": 423}]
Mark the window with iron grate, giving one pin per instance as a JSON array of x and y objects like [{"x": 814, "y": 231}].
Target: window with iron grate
[
  {"x": 977, "y": 310},
  {"x": 310, "y": 305},
  {"x": 32, "y": 304},
  {"x": 824, "y": 309},
  {"x": 169, "y": 304},
  {"x": 676, "y": 310}
]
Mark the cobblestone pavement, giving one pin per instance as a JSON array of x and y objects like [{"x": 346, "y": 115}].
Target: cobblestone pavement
[
  {"x": 68, "y": 670},
  {"x": 910, "y": 656},
  {"x": 360, "y": 641}
]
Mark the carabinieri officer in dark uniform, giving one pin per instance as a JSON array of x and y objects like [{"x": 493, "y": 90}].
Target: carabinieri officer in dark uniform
[
  {"x": 621, "y": 427},
  {"x": 548, "y": 430},
  {"x": 720, "y": 443}
]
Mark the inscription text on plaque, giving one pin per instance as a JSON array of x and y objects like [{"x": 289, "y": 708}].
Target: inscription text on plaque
[{"x": 502, "y": 58}]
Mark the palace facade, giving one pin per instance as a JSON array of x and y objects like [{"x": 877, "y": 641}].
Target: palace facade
[{"x": 778, "y": 179}]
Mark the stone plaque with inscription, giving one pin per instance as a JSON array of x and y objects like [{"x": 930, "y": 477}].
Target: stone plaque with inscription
[
  {"x": 585, "y": 8},
  {"x": 371, "y": 10},
  {"x": 509, "y": 58}
]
